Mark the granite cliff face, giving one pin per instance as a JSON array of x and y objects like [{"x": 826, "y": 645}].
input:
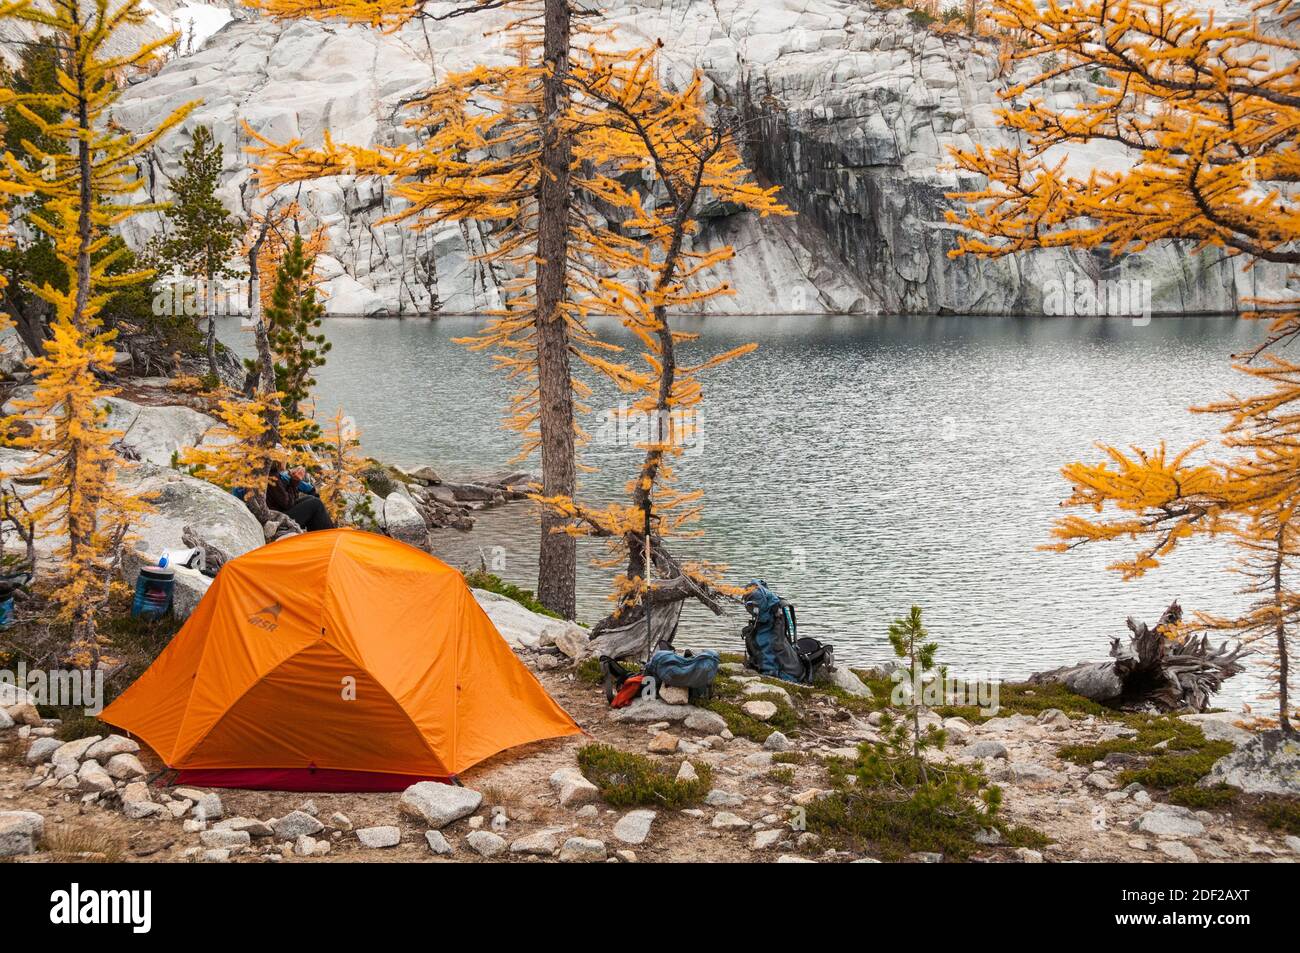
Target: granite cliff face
[{"x": 850, "y": 109}]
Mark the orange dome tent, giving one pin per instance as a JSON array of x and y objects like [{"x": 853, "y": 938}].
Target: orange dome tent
[{"x": 335, "y": 661}]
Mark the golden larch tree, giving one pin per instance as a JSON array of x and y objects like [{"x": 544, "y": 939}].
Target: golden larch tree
[
  {"x": 339, "y": 478},
  {"x": 632, "y": 124},
  {"x": 88, "y": 189},
  {"x": 1207, "y": 111},
  {"x": 535, "y": 180}
]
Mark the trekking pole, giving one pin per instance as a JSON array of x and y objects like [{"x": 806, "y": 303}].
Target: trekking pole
[{"x": 649, "y": 633}]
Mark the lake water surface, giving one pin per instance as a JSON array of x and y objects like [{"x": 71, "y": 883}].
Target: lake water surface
[{"x": 859, "y": 465}]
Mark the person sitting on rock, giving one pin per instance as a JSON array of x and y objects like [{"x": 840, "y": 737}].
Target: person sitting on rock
[{"x": 293, "y": 495}]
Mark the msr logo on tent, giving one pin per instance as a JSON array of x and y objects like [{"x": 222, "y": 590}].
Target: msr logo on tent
[
  {"x": 76, "y": 906},
  {"x": 267, "y": 618}
]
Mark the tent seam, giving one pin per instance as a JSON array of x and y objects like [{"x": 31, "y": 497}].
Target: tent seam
[{"x": 329, "y": 569}]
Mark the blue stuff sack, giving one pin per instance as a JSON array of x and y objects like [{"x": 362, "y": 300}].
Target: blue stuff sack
[{"x": 684, "y": 671}]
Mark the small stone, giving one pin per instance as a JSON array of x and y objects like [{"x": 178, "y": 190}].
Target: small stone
[
  {"x": 988, "y": 836},
  {"x": 208, "y": 807},
  {"x": 138, "y": 810},
  {"x": 762, "y": 710},
  {"x": 192, "y": 826},
  {"x": 438, "y": 804},
  {"x": 957, "y": 728},
  {"x": 675, "y": 696},
  {"x": 438, "y": 843},
  {"x": 777, "y": 742},
  {"x": 1027, "y": 856},
  {"x": 74, "y": 750},
  {"x": 26, "y": 714},
  {"x": 706, "y": 722},
  {"x": 541, "y": 843},
  {"x": 485, "y": 843},
  {"x": 626, "y": 856},
  {"x": 1054, "y": 718},
  {"x": 20, "y": 832},
  {"x": 1178, "y": 851},
  {"x": 295, "y": 824},
  {"x": 309, "y": 807},
  {"x": 663, "y": 743},
  {"x": 1167, "y": 820},
  {"x": 91, "y": 777},
  {"x": 1292, "y": 842},
  {"x": 104, "y": 750},
  {"x": 574, "y": 641},
  {"x": 377, "y": 837},
  {"x": 794, "y": 859},
  {"x": 125, "y": 767},
  {"x": 804, "y": 798},
  {"x": 230, "y": 840},
  {"x": 634, "y": 827},
  {"x": 305, "y": 845},
  {"x": 926, "y": 857},
  {"x": 588, "y": 810},
  {"x": 725, "y": 820},
  {"x": 720, "y": 798},
  {"x": 1100, "y": 781},
  {"x": 986, "y": 749},
  {"x": 217, "y": 855},
  {"x": 249, "y": 825},
  {"x": 1033, "y": 773},
  {"x": 340, "y": 821},
  {"x": 581, "y": 850},
  {"x": 843, "y": 678},
  {"x": 765, "y": 840},
  {"x": 41, "y": 749},
  {"x": 687, "y": 772},
  {"x": 573, "y": 788},
  {"x": 648, "y": 711}
]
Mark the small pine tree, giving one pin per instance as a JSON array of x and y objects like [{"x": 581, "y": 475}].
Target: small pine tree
[
  {"x": 293, "y": 317},
  {"x": 909, "y": 640},
  {"x": 201, "y": 237}
]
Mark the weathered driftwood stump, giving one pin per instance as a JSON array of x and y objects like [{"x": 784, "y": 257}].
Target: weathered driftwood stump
[
  {"x": 623, "y": 633},
  {"x": 1153, "y": 670}
]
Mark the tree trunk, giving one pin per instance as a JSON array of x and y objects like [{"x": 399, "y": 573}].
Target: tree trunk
[
  {"x": 212, "y": 347},
  {"x": 557, "y": 560},
  {"x": 1153, "y": 671},
  {"x": 262, "y": 375}
]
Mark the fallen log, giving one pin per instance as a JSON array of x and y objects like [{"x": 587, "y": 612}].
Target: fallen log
[{"x": 1156, "y": 670}]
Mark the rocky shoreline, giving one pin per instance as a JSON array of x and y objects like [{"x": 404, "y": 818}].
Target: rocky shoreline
[
  {"x": 90, "y": 796},
  {"x": 158, "y": 423}
]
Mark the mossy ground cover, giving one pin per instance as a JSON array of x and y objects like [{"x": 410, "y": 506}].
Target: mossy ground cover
[
  {"x": 1022, "y": 698},
  {"x": 887, "y": 821},
  {"x": 1170, "y": 757},
  {"x": 626, "y": 779}
]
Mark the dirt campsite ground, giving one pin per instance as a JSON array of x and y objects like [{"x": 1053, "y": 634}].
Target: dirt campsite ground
[{"x": 1073, "y": 811}]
